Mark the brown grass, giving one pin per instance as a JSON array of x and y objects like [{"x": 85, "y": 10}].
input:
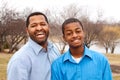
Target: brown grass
[
  {"x": 4, "y": 58},
  {"x": 114, "y": 59}
]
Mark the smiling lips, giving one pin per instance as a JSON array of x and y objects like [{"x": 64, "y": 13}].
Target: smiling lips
[
  {"x": 76, "y": 41},
  {"x": 40, "y": 34}
]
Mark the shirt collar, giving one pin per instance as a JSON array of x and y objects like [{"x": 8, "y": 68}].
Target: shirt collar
[
  {"x": 36, "y": 47},
  {"x": 68, "y": 57},
  {"x": 67, "y": 54},
  {"x": 87, "y": 52}
]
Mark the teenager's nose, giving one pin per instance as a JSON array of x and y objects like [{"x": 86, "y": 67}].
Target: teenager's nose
[{"x": 74, "y": 34}]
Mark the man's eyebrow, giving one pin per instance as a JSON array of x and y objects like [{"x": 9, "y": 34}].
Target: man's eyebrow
[{"x": 33, "y": 23}]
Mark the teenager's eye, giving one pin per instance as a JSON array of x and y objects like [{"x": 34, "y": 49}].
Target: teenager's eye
[
  {"x": 78, "y": 31},
  {"x": 68, "y": 34}
]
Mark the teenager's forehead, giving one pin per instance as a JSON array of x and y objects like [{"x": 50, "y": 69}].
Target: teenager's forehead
[{"x": 72, "y": 25}]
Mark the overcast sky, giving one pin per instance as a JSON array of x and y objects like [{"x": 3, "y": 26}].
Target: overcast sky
[{"x": 109, "y": 8}]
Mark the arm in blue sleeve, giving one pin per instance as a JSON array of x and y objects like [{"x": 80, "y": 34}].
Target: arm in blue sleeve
[
  {"x": 17, "y": 70},
  {"x": 54, "y": 72},
  {"x": 107, "y": 75}
]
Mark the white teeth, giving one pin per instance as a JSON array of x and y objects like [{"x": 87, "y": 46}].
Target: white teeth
[
  {"x": 76, "y": 40},
  {"x": 40, "y": 33}
]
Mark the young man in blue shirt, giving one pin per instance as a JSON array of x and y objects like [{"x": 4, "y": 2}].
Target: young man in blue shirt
[
  {"x": 33, "y": 60},
  {"x": 79, "y": 63}
]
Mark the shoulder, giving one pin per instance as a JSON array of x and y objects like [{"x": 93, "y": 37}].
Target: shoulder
[
  {"x": 54, "y": 48},
  {"x": 59, "y": 60},
  {"x": 18, "y": 62},
  {"x": 21, "y": 56},
  {"x": 97, "y": 56},
  {"x": 94, "y": 54}
]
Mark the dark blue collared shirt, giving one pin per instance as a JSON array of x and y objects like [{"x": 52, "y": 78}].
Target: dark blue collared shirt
[{"x": 93, "y": 66}]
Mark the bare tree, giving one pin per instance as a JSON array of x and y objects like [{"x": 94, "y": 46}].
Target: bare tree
[
  {"x": 4, "y": 11},
  {"x": 2, "y": 37},
  {"x": 116, "y": 36},
  {"x": 16, "y": 33},
  {"x": 92, "y": 29},
  {"x": 109, "y": 38},
  {"x": 12, "y": 30}
]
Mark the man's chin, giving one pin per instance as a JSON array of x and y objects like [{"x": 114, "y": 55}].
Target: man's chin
[{"x": 42, "y": 42}]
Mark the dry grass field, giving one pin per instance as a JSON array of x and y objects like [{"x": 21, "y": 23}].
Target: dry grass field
[
  {"x": 114, "y": 60},
  {"x": 4, "y": 58}
]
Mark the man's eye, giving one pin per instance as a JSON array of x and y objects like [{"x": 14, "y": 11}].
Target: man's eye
[
  {"x": 43, "y": 24},
  {"x": 32, "y": 26}
]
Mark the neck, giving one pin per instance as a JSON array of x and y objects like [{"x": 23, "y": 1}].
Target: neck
[
  {"x": 44, "y": 45},
  {"x": 77, "y": 52}
]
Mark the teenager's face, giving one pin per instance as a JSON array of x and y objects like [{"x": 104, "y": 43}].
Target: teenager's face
[
  {"x": 38, "y": 29},
  {"x": 74, "y": 34}
]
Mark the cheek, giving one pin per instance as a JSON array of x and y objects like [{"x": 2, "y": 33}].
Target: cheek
[
  {"x": 46, "y": 29},
  {"x": 67, "y": 39},
  {"x": 30, "y": 31},
  {"x": 82, "y": 35}
]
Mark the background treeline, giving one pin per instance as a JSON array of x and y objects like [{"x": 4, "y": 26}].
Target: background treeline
[{"x": 99, "y": 31}]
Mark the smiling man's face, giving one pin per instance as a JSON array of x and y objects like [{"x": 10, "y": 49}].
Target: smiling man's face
[{"x": 38, "y": 29}]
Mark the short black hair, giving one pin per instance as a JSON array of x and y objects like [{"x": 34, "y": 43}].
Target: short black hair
[
  {"x": 35, "y": 13},
  {"x": 70, "y": 20}
]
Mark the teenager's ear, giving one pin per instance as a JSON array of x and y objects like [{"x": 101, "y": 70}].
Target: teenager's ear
[
  {"x": 84, "y": 33},
  {"x": 64, "y": 38}
]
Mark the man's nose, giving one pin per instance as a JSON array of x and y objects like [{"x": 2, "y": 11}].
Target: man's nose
[{"x": 39, "y": 27}]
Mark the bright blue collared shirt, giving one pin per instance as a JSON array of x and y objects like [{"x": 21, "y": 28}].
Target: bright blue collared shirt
[
  {"x": 32, "y": 62},
  {"x": 93, "y": 66}
]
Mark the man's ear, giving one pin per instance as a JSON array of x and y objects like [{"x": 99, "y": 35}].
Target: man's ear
[{"x": 27, "y": 30}]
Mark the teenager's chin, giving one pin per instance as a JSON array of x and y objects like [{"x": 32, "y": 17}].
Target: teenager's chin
[{"x": 77, "y": 46}]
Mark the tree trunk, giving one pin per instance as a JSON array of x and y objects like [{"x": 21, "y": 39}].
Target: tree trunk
[
  {"x": 106, "y": 50},
  {"x": 14, "y": 46},
  {"x": 112, "y": 50}
]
